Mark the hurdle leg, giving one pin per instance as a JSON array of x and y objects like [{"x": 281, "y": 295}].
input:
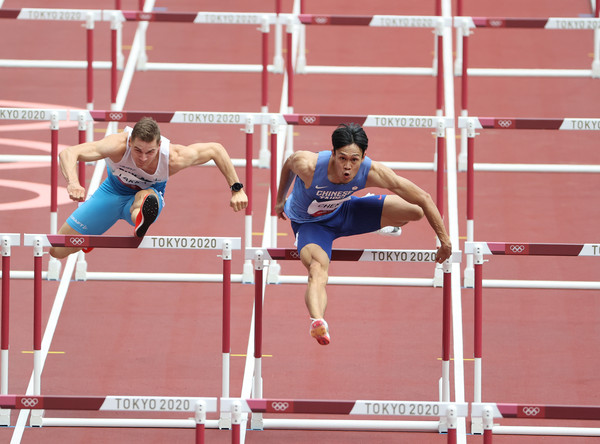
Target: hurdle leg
[
  {"x": 257, "y": 420},
  {"x": 468, "y": 273},
  {"x": 274, "y": 267},
  {"x": 36, "y": 415},
  {"x": 452, "y": 421},
  {"x": 200, "y": 421},
  {"x": 263, "y": 154},
  {"x": 236, "y": 421},
  {"x": 488, "y": 424},
  {"x": 476, "y": 425},
  {"x": 446, "y": 331},
  {"x": 225, "y": 419},
  {"x": 5, "y": 413},
  {"x": 247, "y": 269}
]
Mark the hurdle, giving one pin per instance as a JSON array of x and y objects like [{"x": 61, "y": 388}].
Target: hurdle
[
  {"x": 436, "y": 23},
  {"x": 478, "y": 250},
  {"x": 39, "y": 241},
  {"x": 261, "y": 255},
  {"x": 473, "y": 124},
  {"x": 464, "y": 25},
  {"x": 413, "y": 409},
  {"x": 160, "y": 404}
]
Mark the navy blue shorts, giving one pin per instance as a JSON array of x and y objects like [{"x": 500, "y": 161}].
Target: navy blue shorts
[{"x": 358, "y": 215}]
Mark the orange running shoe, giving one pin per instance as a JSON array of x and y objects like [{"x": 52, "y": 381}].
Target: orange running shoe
[
  {"x": 147, "y": 215},
  {"x": 320, "y": 331}
]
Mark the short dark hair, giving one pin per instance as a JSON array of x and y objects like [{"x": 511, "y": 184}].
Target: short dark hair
[
  {"x": 347, "y": 134},
  {"x": 146, "y": 130}
]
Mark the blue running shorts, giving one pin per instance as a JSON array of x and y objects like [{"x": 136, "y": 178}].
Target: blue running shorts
[
  {"x": 358, "y": 215},
  {"x": 105, "y": 207}
]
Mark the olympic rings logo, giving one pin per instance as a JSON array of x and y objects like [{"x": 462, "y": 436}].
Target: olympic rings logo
[
  {"x": 309, "y": 120},
  {"x": 496, "y": 23},
  {"x": 77, "y": 241},
  {"x": 280, "y": 406},
  {"x": 294, "y": 254},
  {"x": 321, "y": 20},
  {"x": 517, "y": 248},
  {"x": 29, "y": 402},
  {"x": 115, "y": 116},
  {"x": 505, "y": 123},
  {"x": 531, "y": 411}
]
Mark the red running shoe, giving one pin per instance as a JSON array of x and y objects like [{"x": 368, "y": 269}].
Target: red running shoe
[
  {"x": 320, "y": 331},
  {"x": 147, "y": 215},
  {"x": 87, "y": 249}
]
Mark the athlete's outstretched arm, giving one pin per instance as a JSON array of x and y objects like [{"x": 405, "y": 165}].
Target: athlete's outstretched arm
[
  {"x": 383, "y": 177},
  {"x": 199, "y": 153},
  {"x": 111, "y": 146}
]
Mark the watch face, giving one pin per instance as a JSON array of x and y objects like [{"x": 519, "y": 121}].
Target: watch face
[{"x": 236, "y": 186}]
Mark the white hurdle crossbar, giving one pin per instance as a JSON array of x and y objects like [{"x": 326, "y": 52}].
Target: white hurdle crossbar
[
  {"x": 478, "y": 250},
  {"x": 268, "y": 254},
  {"x": 226, "y": 245},
  {"x": 449, "y": 411}
]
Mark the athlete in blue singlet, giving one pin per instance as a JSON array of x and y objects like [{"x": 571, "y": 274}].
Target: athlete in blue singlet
[
  {"x": 139, "y": 163},
  {"x": 321, "y": 208}
]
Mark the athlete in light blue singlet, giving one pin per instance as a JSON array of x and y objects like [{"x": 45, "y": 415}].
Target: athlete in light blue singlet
[{"x": 139, "y": 163}]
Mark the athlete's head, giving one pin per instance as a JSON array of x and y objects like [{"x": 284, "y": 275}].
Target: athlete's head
[
  {"x": 349, "y": 145},
  {"x": 146, "y": 130},
  {"x": 145, "y": 143},
  {"x": 347, "y": 134}
]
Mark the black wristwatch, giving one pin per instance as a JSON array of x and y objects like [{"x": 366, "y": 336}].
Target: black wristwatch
[{"x": 236, "y": 186}]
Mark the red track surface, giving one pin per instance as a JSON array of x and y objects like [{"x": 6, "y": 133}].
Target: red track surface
[{"x": 163, "y": 339}]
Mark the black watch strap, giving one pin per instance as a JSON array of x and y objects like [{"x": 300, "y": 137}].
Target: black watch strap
[{"x": 237, "y": 186}]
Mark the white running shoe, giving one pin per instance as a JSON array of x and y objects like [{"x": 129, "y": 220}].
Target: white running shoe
[{"x": 390, "y": 231}]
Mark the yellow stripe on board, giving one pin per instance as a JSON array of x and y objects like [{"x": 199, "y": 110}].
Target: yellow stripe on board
[
  {"x": 464, "y": 359},
  {"x": 50, "y": 352}
]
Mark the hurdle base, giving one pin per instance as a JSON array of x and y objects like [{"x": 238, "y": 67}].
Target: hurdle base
[
  {"x": 596, "y": 69},
  {"x": 36, "y": 418},
  {"x": 273, "y": 273},
  {"x": 248, "y": 273},
  {"x": 257, "y": 422},
  {"x": 438, "y": 276},
  {"x": 225, "y": 421},
  {"x": 4, "y": 417},
  {"x": 477, "y": 426},
  {"x": 54, "y": 267},
  {"x": 264, "y": 158},
  {"x": 81, "y": 267},
  {"x": 469, "y": 278}
]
